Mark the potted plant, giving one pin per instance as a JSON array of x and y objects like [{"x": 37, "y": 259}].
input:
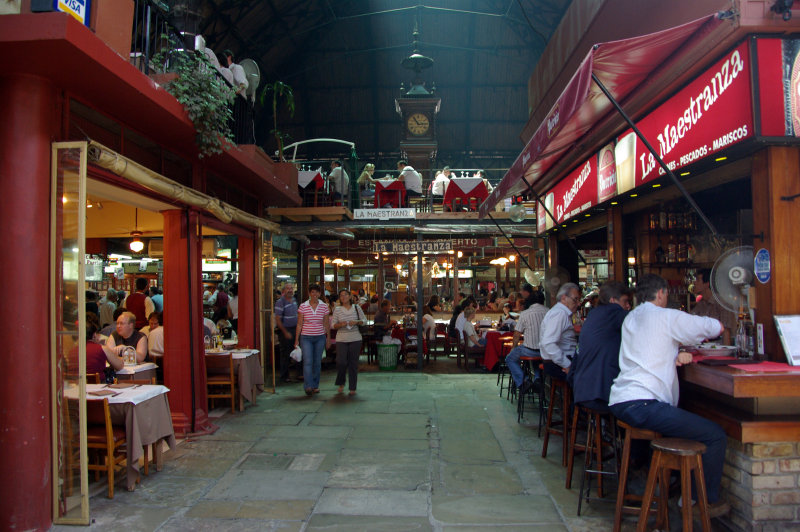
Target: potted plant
[
  {"x": 279, "y": 91},
  {"x": 205, "y": 95}
]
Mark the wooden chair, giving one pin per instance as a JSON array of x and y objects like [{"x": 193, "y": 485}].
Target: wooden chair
[
  {"x": 441, "y": 339},
  {"x": 475, "y": 352},
  {"x": 105, "y": 440},
  {"x": 93, "y": 378},
  {"x": 220, "y": 378}
]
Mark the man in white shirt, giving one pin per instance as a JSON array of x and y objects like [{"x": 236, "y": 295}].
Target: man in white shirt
[
  {"x": 645, "y": 393},
  {"x": 439, "y": 186},
  {"x": 557, "y": 340},
  {"x": 240, "y": 82},
  {"x": 462, "y": 319},
  {"x": 410, "y": 178},
  {"x": 529, "y": 325},
  {"x": 339, "y": 179}
]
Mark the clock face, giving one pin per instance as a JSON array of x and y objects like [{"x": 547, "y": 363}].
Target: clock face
[{"x": 418, "y": 124}]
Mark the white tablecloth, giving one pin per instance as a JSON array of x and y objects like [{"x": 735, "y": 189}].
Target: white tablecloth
[
  {"x": 466, "y": 184},
  {"x": 134, "y": 394},
  {"x": 304, "y": 177},
  {"x": 138, "y": 368}
]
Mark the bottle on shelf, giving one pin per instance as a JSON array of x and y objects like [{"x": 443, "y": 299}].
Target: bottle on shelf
[
  {"x": 662, "y": 218},
  {"x": 672, "y": 220},
  {"x": 689, "y": 250},
  {"x": 682, "y": 250},
  {"x": 653, "y": 221},
  {"x": 659, "y": 253},
  {"x": 672, "y": 250}
]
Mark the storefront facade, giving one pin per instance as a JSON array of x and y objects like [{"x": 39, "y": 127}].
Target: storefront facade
[
  {"x": 729, "y": 134},
  {"x": 71, "y": 86}
]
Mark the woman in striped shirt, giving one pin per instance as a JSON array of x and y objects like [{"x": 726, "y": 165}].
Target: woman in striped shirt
[{"x": 313, "y": 328}]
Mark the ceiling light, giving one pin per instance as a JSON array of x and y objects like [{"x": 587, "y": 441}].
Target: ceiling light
[
  {"x": 337, "y": 261},
  {"x": 512, "y": 258},
  {"x": 634, "y": 195},
  {"x": 136, "y": 244},
  {"x": 685, "y": 174},
  {"x": 614, "y": 203},
  {"x": 656, "y": 185},
  {"x": 459, "y": 254},
  {"x": 718, "y": 159}
]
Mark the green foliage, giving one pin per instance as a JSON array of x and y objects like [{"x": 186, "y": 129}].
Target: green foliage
[
  {"x": 278, "y": 91},
  {"x": 206, "y": 96}
]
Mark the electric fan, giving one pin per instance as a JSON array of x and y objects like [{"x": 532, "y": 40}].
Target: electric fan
[{"x": 731, "y": 277}]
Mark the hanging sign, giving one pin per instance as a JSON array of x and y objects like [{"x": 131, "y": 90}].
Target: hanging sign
[
  {"x": 383, "y": 214},
  {"x": 79, "y": 9},
  {"x": 413, "y": 246},
  {"x": 762, "y": 266}
]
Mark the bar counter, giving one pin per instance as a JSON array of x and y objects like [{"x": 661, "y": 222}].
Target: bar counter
[{"x": 760, "y": 412}]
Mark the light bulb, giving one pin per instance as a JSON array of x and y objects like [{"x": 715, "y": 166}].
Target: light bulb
[{"x": 136, "y": 245}]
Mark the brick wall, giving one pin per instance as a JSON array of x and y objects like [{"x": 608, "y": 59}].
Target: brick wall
[{"x": 762, "y": 484}]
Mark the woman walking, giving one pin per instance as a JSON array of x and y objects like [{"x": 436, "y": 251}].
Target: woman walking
[
  {"x": 346, "y": 319},
  {"x": 313, "y": 328}
]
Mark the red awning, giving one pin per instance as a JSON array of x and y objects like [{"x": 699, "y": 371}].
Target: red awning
[{"x": 622, "y": 66}]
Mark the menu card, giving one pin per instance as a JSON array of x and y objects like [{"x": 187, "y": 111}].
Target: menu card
[{"x": 789, "y": 331}]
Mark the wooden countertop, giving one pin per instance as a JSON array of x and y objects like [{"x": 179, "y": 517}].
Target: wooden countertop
[
  {"x": 738, "y": 383},
  {"x": 750, "y": 406}
]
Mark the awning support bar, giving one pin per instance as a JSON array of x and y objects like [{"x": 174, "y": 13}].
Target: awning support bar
[
  {"x": 550, "y": 214},
  {"x": 658, "y": 158}
]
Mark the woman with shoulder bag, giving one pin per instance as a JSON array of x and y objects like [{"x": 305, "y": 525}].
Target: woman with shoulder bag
[{"x": 346, "y": 320}]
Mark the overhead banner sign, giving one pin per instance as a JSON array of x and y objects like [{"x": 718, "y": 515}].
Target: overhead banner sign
[
  {"x": 710, "y": 114},
  {"x": 383, "y": 214},
  {"x": 571, "y": 196},
  {"x": 413, "y": 246}
]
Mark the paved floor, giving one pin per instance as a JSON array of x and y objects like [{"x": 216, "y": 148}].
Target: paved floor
[{"x": 410, "y": 451}]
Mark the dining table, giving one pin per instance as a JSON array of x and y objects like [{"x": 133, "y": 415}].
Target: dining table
[
  {"x": 248, "y": 370},
  {"x": 143, "y": 409},
  {"x": 494, "y": 347},
  {"x": 465, "y": 189},
  {"x": 390, "y": 192},
  {"x": 311, "y": 180},
  {"x": 143, "y": 371}
]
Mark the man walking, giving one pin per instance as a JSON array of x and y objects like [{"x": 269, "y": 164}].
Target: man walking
[{"x": 286, "y": 320}]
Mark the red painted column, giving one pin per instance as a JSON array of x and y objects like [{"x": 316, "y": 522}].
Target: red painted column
[
  {"x": 248, "y": 296},
  {"x": 184, "y": 367},
  {"x": 29, "y": 107}
]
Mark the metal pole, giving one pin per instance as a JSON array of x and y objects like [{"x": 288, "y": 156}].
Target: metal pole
[
  {"x": 420, "y": 330},
  {"x": 658, "y": 158}
]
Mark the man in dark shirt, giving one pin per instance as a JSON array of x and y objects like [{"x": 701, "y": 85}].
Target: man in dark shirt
[
  {"x": 596, "y": 364},
  {"x": 286, "y": 320}
]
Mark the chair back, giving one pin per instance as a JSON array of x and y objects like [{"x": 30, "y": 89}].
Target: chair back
[
  {"x": 99, "y": 413},
  {"x": 221, "y": 364}
]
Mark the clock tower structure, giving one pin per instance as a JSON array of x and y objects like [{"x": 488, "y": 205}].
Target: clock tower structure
[{"x": 418, "y": 107}]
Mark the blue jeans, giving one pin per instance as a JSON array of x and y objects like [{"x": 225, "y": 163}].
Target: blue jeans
[
  {"x": 514, "y": 365},
  {"x": 674, "y": 422},
  {"x": 313, "y": 347}
]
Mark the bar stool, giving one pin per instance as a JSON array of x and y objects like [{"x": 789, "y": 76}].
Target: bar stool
[
  {"x": 593, "y": 446},
  {"x": 551, "y": 426},
  {"x": 502, "y": 368},
  {"x": 679, "y": 455},
  {"x": 631, "y": 433},
  {"x": 527, "y": 362}
]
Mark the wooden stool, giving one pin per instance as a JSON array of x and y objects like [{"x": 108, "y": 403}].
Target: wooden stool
[
  {"x": 593, "y": 446},
  {"x": 550, "y": 425},
  {"x": 623, "y": 498},
  {"x": 679, "y": 455}
]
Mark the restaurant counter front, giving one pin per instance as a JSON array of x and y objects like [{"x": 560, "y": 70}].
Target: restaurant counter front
[{"x": 760, "y": 412}]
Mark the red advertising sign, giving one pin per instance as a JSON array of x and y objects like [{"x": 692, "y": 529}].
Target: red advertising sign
[
  {"x": 571, "y": 196},
  {"x": 711, "y": 113}
]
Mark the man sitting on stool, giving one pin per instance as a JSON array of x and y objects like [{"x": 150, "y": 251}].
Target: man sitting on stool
[
  {"x": 645, "y": 394},
  {"x": 596, "y": 364},
  {"x": 557, "y": 339},
  {"x": 530, "y": 322}
]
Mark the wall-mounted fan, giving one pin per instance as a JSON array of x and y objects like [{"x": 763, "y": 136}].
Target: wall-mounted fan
[
  {"x": 253, "y": 74},
  {"x": 731, "y": 278},
  {"x": 554, "y": 278}
]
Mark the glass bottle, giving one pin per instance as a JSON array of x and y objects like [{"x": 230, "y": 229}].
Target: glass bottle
[
  {"x": 689, "y": 250},
  {"x": 672, "y": 250},
  {"x": 659, "y": 253},
  {"x": 681, "y": 250},
  {"x": 653, "y": 221},
  {"x": 662, "y": 219},
  {"x": 672, "y": 220}
]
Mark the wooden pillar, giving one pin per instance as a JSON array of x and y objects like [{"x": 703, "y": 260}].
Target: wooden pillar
[
  {"x": 551, "y": 261},
  {"x": 303, "y": 272},
  {"x": 456, "y": 293},
  {"x": 347, "y": 278},
  {"x": 335, "y": 284},
  {"x": 776, "y": 174},
  {"x": 248, "y": 333},
  {"x": 518, "y": 281},
  {"x": 617, "y": 256},
  {"x": 184, "y": 365},
  {"x": 321, "y": 278}
]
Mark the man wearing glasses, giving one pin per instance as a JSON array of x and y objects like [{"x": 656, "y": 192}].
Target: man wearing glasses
[{"x": 557, "y": 339}]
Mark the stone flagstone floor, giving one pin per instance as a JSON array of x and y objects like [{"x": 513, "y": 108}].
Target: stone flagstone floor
[{"x": 410, "y": 451}]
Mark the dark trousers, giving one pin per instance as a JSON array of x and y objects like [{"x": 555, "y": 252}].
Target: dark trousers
[
  {"x": 554, "y": 370},
  {"x": 674, "y": 422},
  {"x": 347, "y": 354},
  {"x": 285, "y": 345}
]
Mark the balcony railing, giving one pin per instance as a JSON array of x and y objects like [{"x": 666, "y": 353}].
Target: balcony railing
[{"x": 154, "y": 28}]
